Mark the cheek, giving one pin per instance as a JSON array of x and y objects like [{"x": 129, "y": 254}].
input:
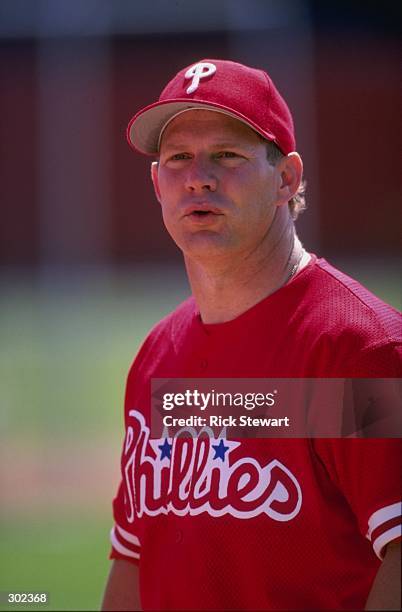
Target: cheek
[
  {"x": 256, "y": 197},
  {"x": 168, "y": 179},
  {"x": 168, "y": 204},
  {"x": 167, "y": 216},
  {"x": 169, "y": 192}
]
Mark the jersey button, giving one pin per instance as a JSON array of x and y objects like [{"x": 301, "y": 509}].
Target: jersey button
[
  {"x": 178, "y": 536},
  {"x": 203, "y": 363}
]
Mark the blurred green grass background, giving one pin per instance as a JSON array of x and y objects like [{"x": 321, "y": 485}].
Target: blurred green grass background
[{"x": 67, "y": 341}]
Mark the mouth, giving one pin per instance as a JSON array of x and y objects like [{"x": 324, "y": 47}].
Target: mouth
[
  {"x": 202, "y": 217},
  {"x": 202, "y": 211}
]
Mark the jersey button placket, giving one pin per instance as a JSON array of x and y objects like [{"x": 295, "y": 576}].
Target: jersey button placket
[
  {"x": 178, "y": 536},
  {"x": 204, "y": 364}
]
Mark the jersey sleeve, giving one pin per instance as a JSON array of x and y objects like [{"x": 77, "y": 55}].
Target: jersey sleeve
[
  {"x": 368, "y": 473},
  {"x": 384, "y": 360},
  {"x": 125, "y": 537},
  {"x": 125, "y": 541}
]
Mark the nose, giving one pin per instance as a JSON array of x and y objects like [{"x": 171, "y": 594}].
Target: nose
[{"x": 200, "y": 176}]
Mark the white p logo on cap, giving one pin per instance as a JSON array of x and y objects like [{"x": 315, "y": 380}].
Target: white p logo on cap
[{"x": 197, "y": 72}]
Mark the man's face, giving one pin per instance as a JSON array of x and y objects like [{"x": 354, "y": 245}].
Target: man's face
[{"x": 217, "y": 190}]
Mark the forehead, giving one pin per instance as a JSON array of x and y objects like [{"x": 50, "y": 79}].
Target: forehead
[{"x": 206, "y": 124}]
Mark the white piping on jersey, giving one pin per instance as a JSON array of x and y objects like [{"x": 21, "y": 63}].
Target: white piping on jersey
[
  {"x": 128, "y": 536},
  {"x": 385, "y": 538},
  {"x": 122, "y": 549},
  {"x": 382, "y": 516}
]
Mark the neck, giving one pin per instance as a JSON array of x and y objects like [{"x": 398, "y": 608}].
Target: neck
[{"x": 225, "y": 288}]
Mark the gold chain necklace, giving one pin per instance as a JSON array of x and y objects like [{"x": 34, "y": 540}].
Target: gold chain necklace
[{"x": 295, "y": 265}]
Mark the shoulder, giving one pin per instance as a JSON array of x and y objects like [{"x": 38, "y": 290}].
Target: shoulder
[
  {"x": 349, "y": 305},
  {"x": 355, "y": 327},
  {"x": 163, "y": 337},
  {"x": 176, "y": 322}
]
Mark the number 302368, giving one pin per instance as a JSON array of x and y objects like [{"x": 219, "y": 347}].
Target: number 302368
[{"x": 17, "y": 598}]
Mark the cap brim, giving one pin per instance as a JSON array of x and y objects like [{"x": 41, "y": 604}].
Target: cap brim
[{"x": 145, "y": 128}]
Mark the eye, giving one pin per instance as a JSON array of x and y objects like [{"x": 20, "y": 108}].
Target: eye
[
  {"x": 175, "y": 160},
  {"x": 226, "y": 155},
  {"x": 179, "y": 156},
  {"x": 229, "y": 159}
]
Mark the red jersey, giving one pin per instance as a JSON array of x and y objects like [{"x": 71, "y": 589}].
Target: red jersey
[{"x": 267, "y": 524}]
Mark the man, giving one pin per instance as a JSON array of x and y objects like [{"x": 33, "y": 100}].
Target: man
[{"x": 213, "y": 523}]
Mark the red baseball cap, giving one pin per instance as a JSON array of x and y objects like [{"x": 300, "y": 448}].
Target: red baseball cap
[{"x": 247, "y": 94}]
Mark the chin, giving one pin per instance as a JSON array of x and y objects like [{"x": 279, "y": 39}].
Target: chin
[{"x": 205, "y": 247}]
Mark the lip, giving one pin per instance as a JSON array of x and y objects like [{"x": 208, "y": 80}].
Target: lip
[
  {"x": 209, "y": 218},
  {"x": 204, "y": 207}
]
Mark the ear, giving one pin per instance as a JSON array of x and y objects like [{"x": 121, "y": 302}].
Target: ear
[
  {"x": 155, "y": 179},
  {"x": 290, "y": 169}
]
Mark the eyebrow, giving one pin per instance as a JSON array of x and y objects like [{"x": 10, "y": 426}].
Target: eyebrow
[
  {"x": 179, "y": 146},
  {"x": 175, "y": 145}
]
